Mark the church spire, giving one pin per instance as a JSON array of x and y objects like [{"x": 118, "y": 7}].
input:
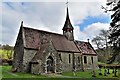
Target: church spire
[
  {"x": 67, "y": 24},
  {"x": 68, "y": 28}
]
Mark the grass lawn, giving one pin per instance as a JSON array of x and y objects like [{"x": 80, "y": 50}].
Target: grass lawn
[
  {"x": 6, "y": 73},
  {"x": 88, "y": 74}
]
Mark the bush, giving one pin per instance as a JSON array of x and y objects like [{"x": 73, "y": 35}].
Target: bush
[
  {"x": 111, "y": 66},
  {"x": 10, "y": 62},
  {"x": 6, "y": 61},
  {"x": 0, "y": 62}
]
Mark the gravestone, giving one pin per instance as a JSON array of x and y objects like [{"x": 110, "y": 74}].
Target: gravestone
[
  {"x": 105, "y": 72},
  {"x": 115, "y": 72},
  {"x": 93, "y": 74},
  {"x": 100, "y": 73},
  {"x": 108, "y": 71}
]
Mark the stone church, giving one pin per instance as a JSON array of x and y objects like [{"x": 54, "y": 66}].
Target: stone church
[{"x": 37, "y": 51}]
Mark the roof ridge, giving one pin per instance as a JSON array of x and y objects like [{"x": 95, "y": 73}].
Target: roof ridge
[
  {"x": 44, "y": 31},
  {"x": 82, "y": 41}
]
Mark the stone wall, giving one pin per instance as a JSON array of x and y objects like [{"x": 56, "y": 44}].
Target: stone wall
[
  {"x": 18, "y": 52},
  {"x": 61, "y": 62},
  {"x": 78, "y": 63},
  {"x": 41, "y": 67},
  {"x": 73, "y": 64},
  {"x": 28, "y": 56},
  {"x": 49, "y": 51},
  {"x": 66, "y": 65},
  {"x": 90, "y": 64},
  {"x": 95, "y": 62},
  {"x": 37, "y": 68}
]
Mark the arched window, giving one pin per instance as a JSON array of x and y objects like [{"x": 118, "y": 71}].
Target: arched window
[
  {"x": 60, "y": 57},
  {"x": 78, "y": 59},
  {"x": 85, "y": 59},
  {"x": 69, "y": 59},
  {"x": 92, "y": 59}
]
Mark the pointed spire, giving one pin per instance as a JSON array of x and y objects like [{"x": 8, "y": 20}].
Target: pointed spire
[
  {"x": 67, "y": 22},
  {"x": 68, "y": 28},
  {"x": 67, "y": 17}
]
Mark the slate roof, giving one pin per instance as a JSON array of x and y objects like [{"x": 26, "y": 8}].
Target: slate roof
[
  {"x": 85, "y": 47},
  {"x": 34, "y": 38},
  {"x": 31, "y": 38},
  {"x": 62, "y": 44},
  {"x": 39, "y": 53},
  {"x": 39, "y": 40}
]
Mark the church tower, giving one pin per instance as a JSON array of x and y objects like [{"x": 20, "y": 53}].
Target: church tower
[{"x": 68, "y": 28}]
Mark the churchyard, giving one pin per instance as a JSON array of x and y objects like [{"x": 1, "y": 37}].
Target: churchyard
[
  {"x": 100, "y": 74},
  {"x": 104, "y": 72}
]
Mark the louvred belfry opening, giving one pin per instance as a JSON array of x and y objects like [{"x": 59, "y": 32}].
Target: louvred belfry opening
[{"x": 68, "y": 28}]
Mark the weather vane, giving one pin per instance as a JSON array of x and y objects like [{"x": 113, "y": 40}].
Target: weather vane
[{"x": 67, "y": 3}]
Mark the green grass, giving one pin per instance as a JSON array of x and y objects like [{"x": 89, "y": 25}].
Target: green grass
[
  {"x": 88, "y": 74},
  {"x": 78, "y": 74},
  {"x": 6, "y": 73},
  {"x": 101, "y": 63},
  {"x": 114, "y": 63}
]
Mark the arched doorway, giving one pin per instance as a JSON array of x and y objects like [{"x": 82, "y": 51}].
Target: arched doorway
[{"x": 50, "y": 64}]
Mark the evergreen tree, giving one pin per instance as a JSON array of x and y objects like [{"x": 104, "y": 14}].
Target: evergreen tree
[{"x": 115, "y": 32}]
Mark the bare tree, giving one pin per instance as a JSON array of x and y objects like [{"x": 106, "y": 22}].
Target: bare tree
[{"x": 103, "y": 47}]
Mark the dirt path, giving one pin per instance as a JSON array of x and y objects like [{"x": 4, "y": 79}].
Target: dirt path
[
  {"x": 59, "y": 75},
  {"x": 11, "y": 73},
  {"x": 53, "y": 75}
]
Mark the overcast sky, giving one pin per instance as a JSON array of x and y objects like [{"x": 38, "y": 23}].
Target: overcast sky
[{"x": 86, "y": 16}]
